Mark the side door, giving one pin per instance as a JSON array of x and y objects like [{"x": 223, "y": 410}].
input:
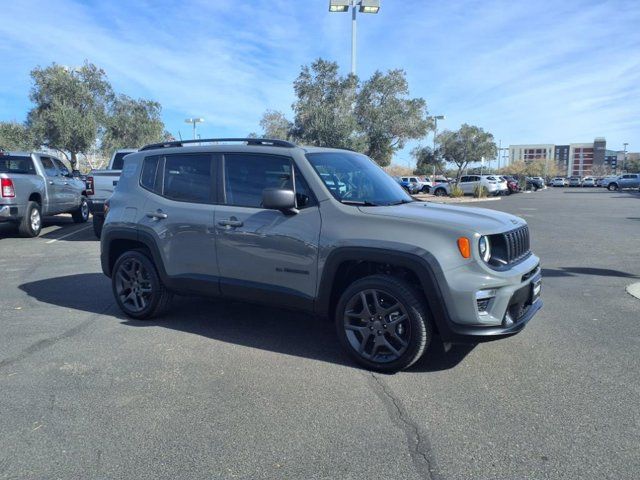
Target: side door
[
  {"x": 178, "y": 214},
  {"x": 54, "y": 202},
  {"x": 69, "y": 199},
  {"x": 266, "y": 255},
  {"x": 465, "y": 180}
]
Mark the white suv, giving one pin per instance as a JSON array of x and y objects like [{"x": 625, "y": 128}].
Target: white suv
[
  {"x": 469, "y": 182},
  {"x": 424, "y": 186}
]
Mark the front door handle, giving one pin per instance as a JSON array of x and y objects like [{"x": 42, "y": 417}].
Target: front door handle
[
  {"x": 158, "y": 214},
  {"x": 50, "y": 182},
  {"x": 232, "y": 222}
]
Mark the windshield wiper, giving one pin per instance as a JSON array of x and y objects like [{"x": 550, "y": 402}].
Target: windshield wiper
[
  {"x": 401, "y": 202},
  {"x": 360, "y": 203}
]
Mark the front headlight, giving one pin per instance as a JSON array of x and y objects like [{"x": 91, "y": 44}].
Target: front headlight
[{"x": 484, "y": 248}]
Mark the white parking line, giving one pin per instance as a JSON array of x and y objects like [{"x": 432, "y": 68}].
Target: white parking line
[{"x": 69, "y": 234}]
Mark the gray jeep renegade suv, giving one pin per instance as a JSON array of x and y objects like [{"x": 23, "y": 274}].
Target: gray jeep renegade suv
[{"x": 317, "y": 229}]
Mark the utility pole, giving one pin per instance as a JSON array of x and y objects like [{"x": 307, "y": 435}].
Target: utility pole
[
  {"x": 435, "y": 134},
  {"x": 624, "y": 159}
]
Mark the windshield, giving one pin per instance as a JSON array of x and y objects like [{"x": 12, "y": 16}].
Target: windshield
[{"x": 353, "y": 178}]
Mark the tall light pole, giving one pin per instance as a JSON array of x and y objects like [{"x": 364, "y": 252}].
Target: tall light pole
[
  {"x": 194, "y": 122},
  {"x": 435, "y": 134},
  {"x": 364, "y": 6},
  {"x": 624, "y": 159}
]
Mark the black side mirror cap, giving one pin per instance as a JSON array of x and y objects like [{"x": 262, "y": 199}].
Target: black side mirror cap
[{"x": 279, "y": 199}]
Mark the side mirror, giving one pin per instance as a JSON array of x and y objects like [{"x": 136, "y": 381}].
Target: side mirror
[{"x": 279, "y": 199}]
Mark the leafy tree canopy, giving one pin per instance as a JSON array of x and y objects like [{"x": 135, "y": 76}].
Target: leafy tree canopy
[
  {"x": 426, "y": 159},
  {"x": 132, "y": 123},
  {"x": 15, "y": 136},
  {"x": 466, "y": 145},
  {"x": 275, "y": 125},
  {"x": 70, "y": 106}
]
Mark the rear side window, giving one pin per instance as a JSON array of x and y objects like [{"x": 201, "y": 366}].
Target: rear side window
[
  {"x": 16, "y": 164},
  {"x": 150, "y": 173},
  {"x": 188, "y": 178}
]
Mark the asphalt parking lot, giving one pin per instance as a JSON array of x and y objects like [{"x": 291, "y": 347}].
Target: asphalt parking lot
[{"x": 226, "y": 390}]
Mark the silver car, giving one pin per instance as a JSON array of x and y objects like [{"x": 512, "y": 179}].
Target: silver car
[
  {"x": 263, "y": 221},
  {"x": 37, "y": 184}
]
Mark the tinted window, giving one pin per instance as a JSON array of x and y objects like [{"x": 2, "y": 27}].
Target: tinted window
[
  {"x": 304, "y": 197},
  {"x": 464, "y": 179},
  {"x": 118, "y": 160},
  {"x": 149, "y": 174},
  {"x": 61, "y": 166},
  {"x": 188, "y": 178},
  {"x": 246, "y": 176},
  {"x": 49, "y": 167},
  {"x": 356, "y": 179},
  {"x": 16, "y": 164}
]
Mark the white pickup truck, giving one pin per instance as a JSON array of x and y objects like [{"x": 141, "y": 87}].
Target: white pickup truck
[{"x": 100, "y": 186}]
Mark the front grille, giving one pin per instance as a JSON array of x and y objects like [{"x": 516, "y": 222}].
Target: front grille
[{"x": 517, "y": 244}]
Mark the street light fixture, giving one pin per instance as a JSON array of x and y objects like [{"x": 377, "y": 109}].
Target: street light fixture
[
  {"x": 435, "y": 134},
  {"x": 364, "y": 6},
  {"x": 194, "y": 122}
]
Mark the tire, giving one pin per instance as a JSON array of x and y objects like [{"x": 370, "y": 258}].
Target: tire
[
  {"x": 137, "y": 287},
  {"x": 440, "y": 192},
  {"x": 612, "y": 187},
  {"x": 31, "y": 224},
  {"x": 98, "y": 222},
  {"x": 425, "y": 189},
  {"x": 368, "y": 340},
  {"x": 508, "y": 192},
  {"x": 81, "y": 215}
]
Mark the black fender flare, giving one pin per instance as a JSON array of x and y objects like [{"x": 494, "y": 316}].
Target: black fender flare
[{"x": 422, "y": 263}]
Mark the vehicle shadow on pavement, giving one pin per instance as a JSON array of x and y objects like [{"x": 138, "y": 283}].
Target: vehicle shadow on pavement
[
  {"x": 575, "y": 271},
  {"x": 266, "y": 328},
  {"x": 8, "y": 230}
]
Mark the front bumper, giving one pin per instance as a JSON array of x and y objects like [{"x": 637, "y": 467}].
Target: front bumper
[{"x": 512, "y": 305}]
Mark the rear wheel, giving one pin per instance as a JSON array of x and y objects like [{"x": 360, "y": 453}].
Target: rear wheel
[
  {"x": 31, "y": 224},
  {"x": 382, "y": 323},
  {"x": 81, "y": 215},
  {"x": 425, "y": 189},
  {"x": 137, "y": 287}
]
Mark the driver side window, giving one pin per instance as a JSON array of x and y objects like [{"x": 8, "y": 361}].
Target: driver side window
[{"x": 64, "y": 171}]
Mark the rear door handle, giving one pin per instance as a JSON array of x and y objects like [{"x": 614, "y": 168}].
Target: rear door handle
[
  {"x": 158, "y": 214},
  {"x": 232, "y": 222}
]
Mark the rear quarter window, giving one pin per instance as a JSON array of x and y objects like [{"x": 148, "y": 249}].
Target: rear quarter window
[{"x": 16, "y": 164}]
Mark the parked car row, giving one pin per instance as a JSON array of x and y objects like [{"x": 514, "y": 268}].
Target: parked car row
[
  {"x": 611, "y": 182},
  {"x": 33, "y": 185}
]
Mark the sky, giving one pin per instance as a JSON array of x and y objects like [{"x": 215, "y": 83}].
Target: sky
[{"x": 527, "y": 71}]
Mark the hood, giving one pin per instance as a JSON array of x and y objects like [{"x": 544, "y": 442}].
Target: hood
[{"x": 480, "y": 220}]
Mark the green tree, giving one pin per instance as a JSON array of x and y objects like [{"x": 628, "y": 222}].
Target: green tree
[
  {"x": 70, "y": 107},
  {"x": 15, "y": 136},
  {"x": 131, "y": 124},
  {"x": 275, "y": 125},
  {"x": 387, "y": 117},
  {"x": 466, "y": 145},
  {"x": 323, "y": 111},
  {"x": 426, "y": 160}
]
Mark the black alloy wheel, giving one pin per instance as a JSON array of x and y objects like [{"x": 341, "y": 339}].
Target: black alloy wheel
[{"x": 382, "y": 323}]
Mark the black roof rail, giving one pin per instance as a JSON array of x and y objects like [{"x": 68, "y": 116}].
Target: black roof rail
[{"x": 250, "y": 141}]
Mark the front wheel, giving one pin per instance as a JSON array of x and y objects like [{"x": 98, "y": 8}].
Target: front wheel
[
  {"x": 425, "y": 189},
  {"x": 440, "y": 192},
  {"x": 612, "y": 187},
  {"x": 81, "y": 215},
  {"x": 137, "y": 287},
  {"x": 382, "y": 323}
]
